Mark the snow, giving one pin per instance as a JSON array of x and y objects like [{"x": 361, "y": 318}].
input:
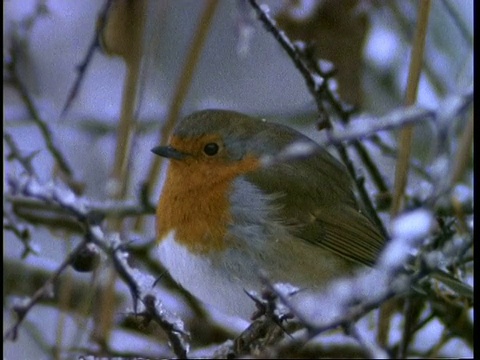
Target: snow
[
  {"x": 395, "y": 254},
  {"x": 244, "y": 41},
  {"x": 413, "y": 225},
  {"x": 406, "y": 230},
  {"x": 326, "y": 66},
  {"x": 303, "y": 9},
  {"x": 462, "y": 193},
  {"x": 296, "y": 150},
  {"x": 66, "y": 196},
  {"x": 266, "y": 9},
  {"x": 382, "y": 47},
  {"x": 435, "y": 259},
  {"x": 318, "y": 80},
  {"x": 299, "y": 149},
  {"x": 300, "y": 45}
]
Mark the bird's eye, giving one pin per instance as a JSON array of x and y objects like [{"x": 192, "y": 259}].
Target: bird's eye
[{"x": 211, "y": 149}]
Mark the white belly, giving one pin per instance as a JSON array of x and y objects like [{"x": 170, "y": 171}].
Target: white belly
[
  {"x": 213, "y": 281},
  {"x": 219, "y": 281}
]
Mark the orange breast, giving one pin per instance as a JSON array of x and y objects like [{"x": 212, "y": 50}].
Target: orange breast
[{"x": 195, "y": 202}]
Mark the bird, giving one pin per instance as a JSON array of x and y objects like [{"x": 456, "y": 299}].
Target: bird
[{"x": 244, "y": 199}]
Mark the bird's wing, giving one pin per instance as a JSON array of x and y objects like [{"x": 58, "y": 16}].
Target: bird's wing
[
  {"x": 345, "y": 231},
  {"x": 318, "y": 203}
]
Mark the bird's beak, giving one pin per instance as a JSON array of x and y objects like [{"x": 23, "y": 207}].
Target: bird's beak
[{"x": 168, "y": 152}]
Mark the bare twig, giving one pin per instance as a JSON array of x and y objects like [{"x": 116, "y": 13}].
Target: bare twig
[
  {"x": 366, "y": 127},
  {"x": 371, "y": 167},
  {"x": 411, "y": 312},
  {"x": 359, "y": 182},
  {"x": 22, "y": 310},
  {"x": 316, "y": 83},
  {"x": 38, "y": 121},
  {"x": 39, "y": 211},
  {"x": 172, "y": 325},
  {"x": 23, "y": 233},
  {"x": 396, "y": 283},
  {"x": 318, "y": 86},
  {"x": 15, "y": 154},
  {"x": 268, "y": 328},
  {"x": 174, "y": 329},
  {"x": 390, "y": 151},
  {"x": 373, "y": 350},
  {"x": 112, "y": 246},
  {"x": 82, "y": 67}
]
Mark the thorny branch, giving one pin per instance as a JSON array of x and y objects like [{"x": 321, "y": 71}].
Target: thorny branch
[
  {"x": 400, "y": 283},
  {"x": 22, "y": 309},
  {"x": 45, "y": 131},
  {"x": 395, "y": 283},
  {"x": 111, "y": 209},
  {"x": 15, "y": 154},
  {"x": 29, "y": 193},
  {"x": 21, "y": 232},
  {"x": 112, "y": 247},
  {"x": 389, "y": 150},
  {"x": 82, "y": 67},
  {"x": 367, "y": 127},
  {"x": 40, "y": 212},
  {"x": 318, "y": 86},
  {"x": 316, "y": 83}
]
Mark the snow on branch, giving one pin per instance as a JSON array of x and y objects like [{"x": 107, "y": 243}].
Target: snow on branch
[{"x": 146, "y": 299}]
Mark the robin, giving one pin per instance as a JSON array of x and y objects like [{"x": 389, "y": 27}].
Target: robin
[{"x": 243, "y": 195}]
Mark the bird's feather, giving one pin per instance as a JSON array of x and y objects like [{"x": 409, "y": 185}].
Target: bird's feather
[{"x": 318, "y": 203}]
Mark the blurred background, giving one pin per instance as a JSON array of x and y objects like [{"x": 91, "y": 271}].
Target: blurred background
[{"x": 142, "y": 77}]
